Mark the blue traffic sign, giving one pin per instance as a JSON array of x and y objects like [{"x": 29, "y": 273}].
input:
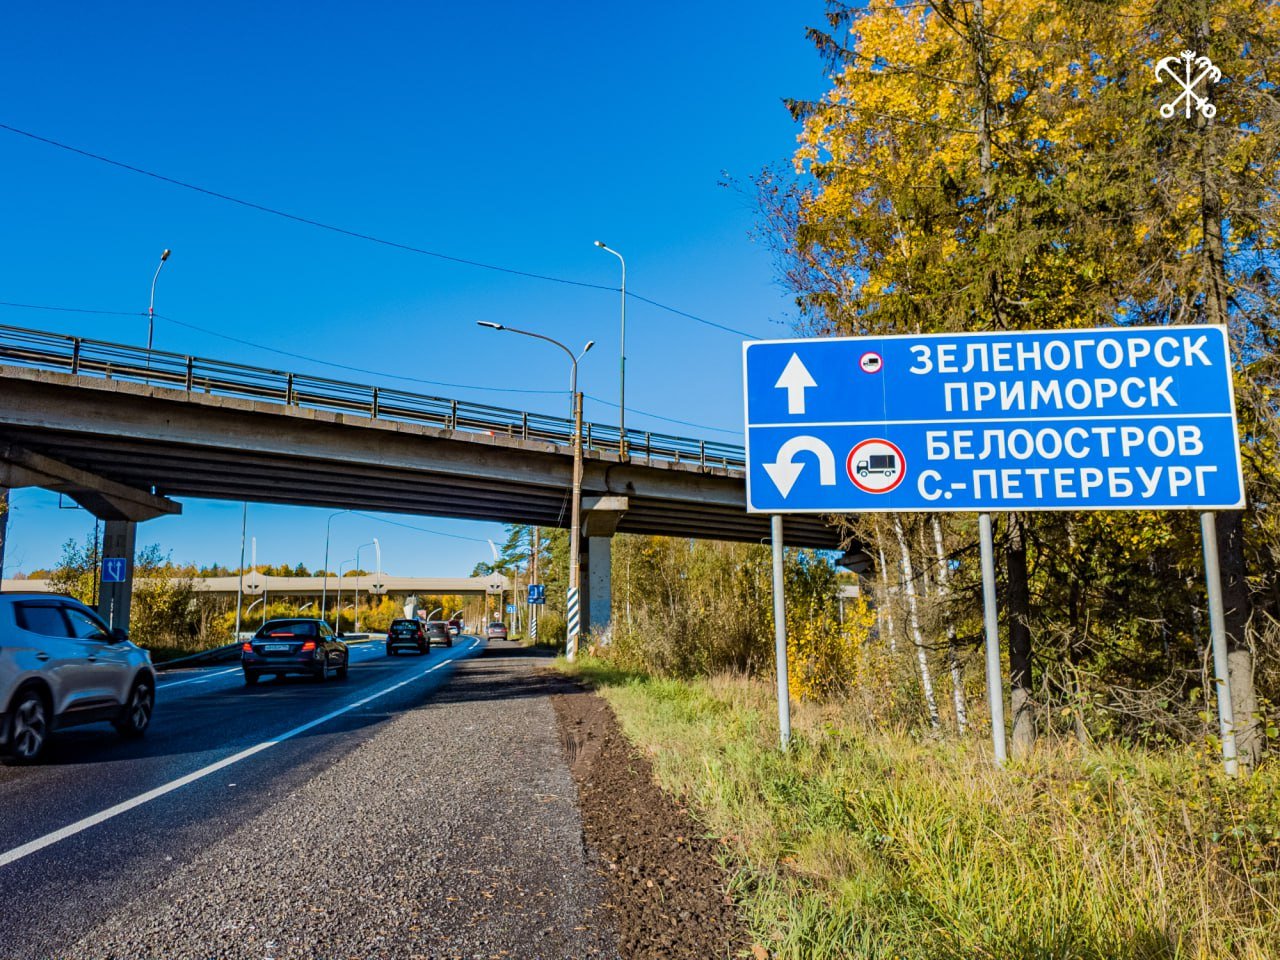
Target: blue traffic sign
[
  {"x": 1109, "y": 419},
  {"x": 537, "y": 593},
  {"x": 511, "y": 608},
  {"x": 113, "y": 569}
]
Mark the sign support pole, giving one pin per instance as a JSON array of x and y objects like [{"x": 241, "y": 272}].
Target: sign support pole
[
  {"x": 995, "y": 689},
  {"x": 1218, "y": 631},
  {"x": 780, "y": 631}
]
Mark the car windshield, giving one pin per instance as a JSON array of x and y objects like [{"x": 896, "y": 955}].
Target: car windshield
[
  {"x": 404, "y": 626},
  {"x": 287, "y": 631},
  {"x": 497, "y": 626}
]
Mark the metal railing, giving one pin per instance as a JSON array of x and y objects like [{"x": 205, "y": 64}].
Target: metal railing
[{"x": 40, "y": 350}]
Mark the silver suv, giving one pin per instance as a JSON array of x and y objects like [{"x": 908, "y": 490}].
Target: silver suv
[{"x": 60, "y": 667}]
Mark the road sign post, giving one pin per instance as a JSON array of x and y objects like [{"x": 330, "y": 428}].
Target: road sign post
[
  {"x": 1218, "y": 634},
  {"x": 780, "y": 631},
  {"x": 991, "y": 624},
  {"x": 1121, "y": 418}
]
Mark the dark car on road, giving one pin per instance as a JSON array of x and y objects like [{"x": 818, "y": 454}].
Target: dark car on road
[
  {"x": 438, "y": 632},
  {"x": 496, "y": 631},
  {"x": 62, "y": 666},
  {"x": 295, "y": 646},
  {"x": 407, "y": 633},
  {"x": 455, "y": 627}
]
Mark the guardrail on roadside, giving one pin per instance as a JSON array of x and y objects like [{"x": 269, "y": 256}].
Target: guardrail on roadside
[{"x": 82, "y": 356}]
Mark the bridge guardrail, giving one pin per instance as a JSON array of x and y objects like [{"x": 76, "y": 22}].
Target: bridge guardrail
[{"x": 43, "y": 350}]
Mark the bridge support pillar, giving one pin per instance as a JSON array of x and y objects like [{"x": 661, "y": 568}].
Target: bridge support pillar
[
  {"x": 115, "y": 593},
  {"x": 600, "y": 522}
]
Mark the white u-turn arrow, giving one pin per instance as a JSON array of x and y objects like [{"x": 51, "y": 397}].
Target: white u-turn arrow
[
  {"x": 783, "y": 472},
  {"x": 795, "y": 379}
]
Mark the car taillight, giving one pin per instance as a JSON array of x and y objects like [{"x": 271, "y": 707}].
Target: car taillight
[
  {"x": 247, "y": 647},
  {"x": 308, "y": 646}
]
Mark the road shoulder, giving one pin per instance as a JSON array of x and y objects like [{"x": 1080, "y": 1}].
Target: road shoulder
[{"x": 666, "y": 887}]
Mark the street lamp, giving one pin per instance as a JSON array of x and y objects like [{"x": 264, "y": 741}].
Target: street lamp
[
  {"x": 622, "y": 362},
  {"x": 151, "y": 308},
  {"x": 378, "y": 550},
  {"x": 324, "y": 590},
  {"x": 573, "y": 379},
  {"x": 575, "y": 528}
]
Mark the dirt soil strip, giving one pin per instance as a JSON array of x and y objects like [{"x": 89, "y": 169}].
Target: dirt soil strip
[{"x": 665, "y": 885}]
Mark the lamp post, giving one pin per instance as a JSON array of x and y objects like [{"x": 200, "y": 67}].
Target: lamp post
[
  {"x": 575, "y": 528},
  {"x": 378, "y": 550},
  {"x": 151, "y": 307},
  {"x": 324, "y": 590},
  {"x": 622, "y": 362},
  {"x": 573, "y": 377}
]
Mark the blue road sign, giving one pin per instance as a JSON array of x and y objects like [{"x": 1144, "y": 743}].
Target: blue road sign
[
  {"x": 1111, "y": 419},
  {"x": 511, "y": 608},
  {"x": 113, "y": 569},
  {"x": 537, "y": 593}
]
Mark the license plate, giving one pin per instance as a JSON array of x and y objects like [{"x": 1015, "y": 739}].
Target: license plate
[{"x": 275, "y": 647}]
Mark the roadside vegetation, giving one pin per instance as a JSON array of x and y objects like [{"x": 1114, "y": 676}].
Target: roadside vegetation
[{"x": 871, "y": 840}]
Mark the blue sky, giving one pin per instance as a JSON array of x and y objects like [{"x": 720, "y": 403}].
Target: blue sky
[{"x": 510, "y": 133}]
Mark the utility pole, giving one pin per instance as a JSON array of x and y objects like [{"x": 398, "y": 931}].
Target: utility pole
[
  {"x": 536, "y": 548},
  {"x": 575, "y": 533}
]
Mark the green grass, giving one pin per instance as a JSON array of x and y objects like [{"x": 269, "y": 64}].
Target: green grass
[{"x": 874, "y": 844}]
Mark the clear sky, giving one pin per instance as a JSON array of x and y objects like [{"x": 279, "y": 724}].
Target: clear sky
[{"x": 509, "y": 133}]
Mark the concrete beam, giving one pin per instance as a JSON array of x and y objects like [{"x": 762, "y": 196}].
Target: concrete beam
[
  {"x": 191, "y": 444},
  {"x": 600, "y": 515},
  {"x": 105, "y": 499}
]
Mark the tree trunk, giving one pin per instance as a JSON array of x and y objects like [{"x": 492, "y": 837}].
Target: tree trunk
[
  {"x": 1019, "y": 603},
  {"x": 953, "y": 660},
  {"x": 886, "y": 616},
  {"x": 1235, "y": 606},
  {"x": 1231, "y": 556},
  {"x": 908, "y": 578}
]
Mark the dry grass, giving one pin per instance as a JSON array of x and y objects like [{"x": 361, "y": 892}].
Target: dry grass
[{"x": 861, "y": 842}]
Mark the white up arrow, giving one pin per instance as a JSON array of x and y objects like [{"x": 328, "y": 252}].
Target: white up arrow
[
  {"x": 784, "y": 473},
  {"x": 795, "y": 379}
]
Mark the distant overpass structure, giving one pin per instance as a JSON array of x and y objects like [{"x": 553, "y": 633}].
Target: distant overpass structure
[
  {"x": 123, "y": 431},
  {"x": 256, "y": 584}
]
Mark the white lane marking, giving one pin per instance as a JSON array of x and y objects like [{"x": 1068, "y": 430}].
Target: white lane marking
[
  {"x": 200, "y": 679},
  {"x": 17, "y": 853}
]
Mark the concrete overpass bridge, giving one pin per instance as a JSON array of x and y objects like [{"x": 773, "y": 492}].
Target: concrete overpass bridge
[{"x": 123, "y": 430}]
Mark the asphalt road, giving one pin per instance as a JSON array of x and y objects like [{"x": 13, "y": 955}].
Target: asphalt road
[{"x": 88, "y": 835}]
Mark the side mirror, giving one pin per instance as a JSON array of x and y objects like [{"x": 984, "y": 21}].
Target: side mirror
[{"x": 119, "y": 635}]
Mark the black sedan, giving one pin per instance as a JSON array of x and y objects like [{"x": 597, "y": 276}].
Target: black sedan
[
  {"x": 407, "y": 633},
  {"x": 296, "y": 646}
]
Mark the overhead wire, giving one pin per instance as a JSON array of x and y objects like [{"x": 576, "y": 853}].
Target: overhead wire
[{"x": 358, "y": 235}]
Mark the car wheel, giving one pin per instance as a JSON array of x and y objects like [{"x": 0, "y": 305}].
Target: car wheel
[
  {"x": 342, "y": 670},
  {"x": 391, "y": 651},
  {"x": 250, "y": 679},
  {"x": 322, "y": 674},
  {"x": 449, "y": 642},
  {"x": 136, "y": 715},
  {"x": 29, "y": 726}
]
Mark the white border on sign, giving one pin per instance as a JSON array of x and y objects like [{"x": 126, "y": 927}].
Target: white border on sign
[{"x": 995, "y": 507}]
